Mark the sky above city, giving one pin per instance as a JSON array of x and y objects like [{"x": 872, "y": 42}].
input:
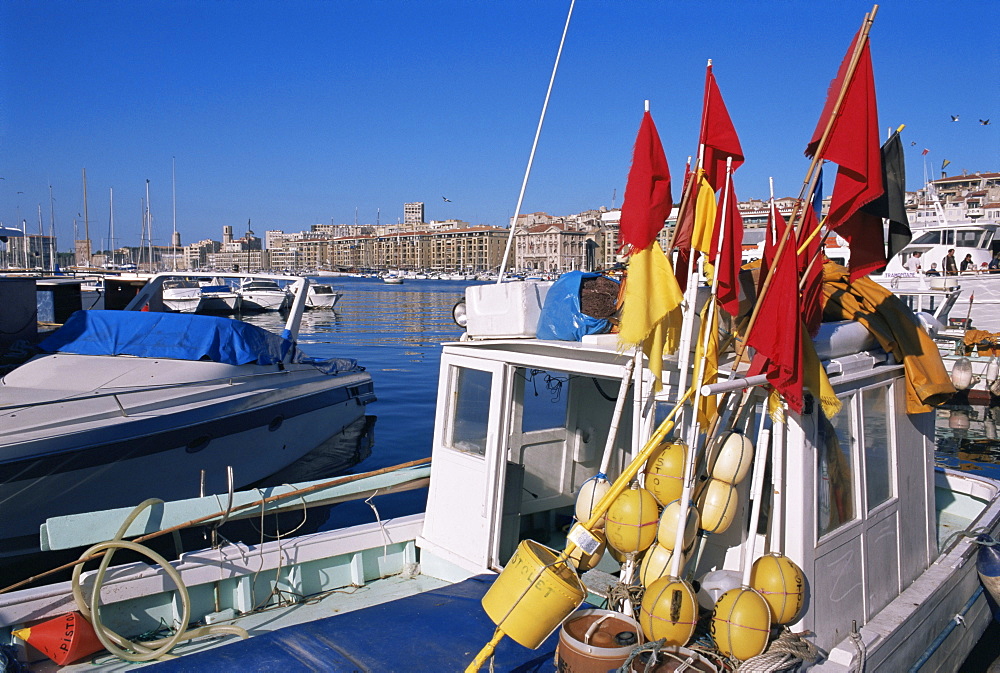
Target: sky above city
[{"x": 280, "y": 115}]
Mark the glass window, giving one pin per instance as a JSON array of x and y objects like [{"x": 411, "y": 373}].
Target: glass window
[
  {"x": 874, "y": 421},
  {"x": 929, "y": 238},
  {"x": 472, "y": 410},
  {"x": 968, "y": 238},
  {"x": 544, "y": 401},
  {"x": 835, "y": 470}
]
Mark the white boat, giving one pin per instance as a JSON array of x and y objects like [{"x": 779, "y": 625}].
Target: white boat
[
  {"x": 263, "y": 294},
  {"x": 392, "y": 279},
  {"x": 182, "y": 295},
  {"x": 321, "y": 296},
  {"x": 858, "y": 505},
  {"x": 125, "y": 405},
  {"x": 219, "y": 297},
  {"x": 979, "y": 241}
]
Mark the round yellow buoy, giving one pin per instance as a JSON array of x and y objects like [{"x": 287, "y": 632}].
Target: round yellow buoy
[
  {"x": 782, "y": 584},
  {"x": 731, "y": 460},
  {"x": 741, "y": 623},
  {"x": 591, "y": 492},
  {"x": 656, "y": 564},
  {"x": 533, "y": 594},
  {"x": 665, "y": 472},
  {"x": 584, "y": 561},
  {"x": 717, "y": 504},
  {"x": 669, "y": 610},
  {"x": 666, "y": 531},
  {"x": 631, "y": 520}
]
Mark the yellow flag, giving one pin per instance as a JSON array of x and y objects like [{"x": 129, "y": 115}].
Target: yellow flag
[
  {"x": 651, "y": 314},
  {"x": 704, "y": 217},
  {"x": 707, "y": 360},
  {"x": 815, "y": 379}
]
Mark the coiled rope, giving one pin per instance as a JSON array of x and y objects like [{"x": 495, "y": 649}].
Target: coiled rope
[
  {"x": 118, "y": 645},
  {"x": 787, "y": 653}
]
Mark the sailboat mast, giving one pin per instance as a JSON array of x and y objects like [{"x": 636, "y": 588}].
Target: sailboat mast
[
  {"x": 111, "y": 222},
  {"x": 149, "y": 225},
  {"x": 86, "y": 219},
  {"x": 52, "y": 231},
  {"x": 173, "y": 193}
]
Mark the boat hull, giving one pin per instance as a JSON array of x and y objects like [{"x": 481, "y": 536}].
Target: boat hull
[{"x": 117, "y": 450}]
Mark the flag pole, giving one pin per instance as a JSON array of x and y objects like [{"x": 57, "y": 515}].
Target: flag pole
[{"x": 809, "y": 184}]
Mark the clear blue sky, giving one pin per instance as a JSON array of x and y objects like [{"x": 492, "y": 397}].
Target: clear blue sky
[{"x": 299, "y": 112}]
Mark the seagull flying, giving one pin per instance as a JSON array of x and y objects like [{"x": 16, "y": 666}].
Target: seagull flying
[
  {"x": 954, "y": 118},
  {"x": 446, "y": 199},
  {"x": 984, "y": 122}
]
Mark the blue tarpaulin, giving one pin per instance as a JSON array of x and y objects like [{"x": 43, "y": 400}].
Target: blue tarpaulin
[
  {"x": 561, "y": 317},
  {"x": 179, "y": 336}
]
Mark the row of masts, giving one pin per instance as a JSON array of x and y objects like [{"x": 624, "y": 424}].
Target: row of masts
[{"x": 145, "y": 237}]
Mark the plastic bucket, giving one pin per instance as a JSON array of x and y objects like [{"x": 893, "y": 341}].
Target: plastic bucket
[
  {"x": 533, "y": 594},
  {"x": 603, "y": 650}
]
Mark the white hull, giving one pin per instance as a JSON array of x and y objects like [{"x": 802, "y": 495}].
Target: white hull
[{"x": 209, "y": 415}]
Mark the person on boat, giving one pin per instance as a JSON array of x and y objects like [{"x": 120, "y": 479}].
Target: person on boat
[
  {"x": 913, "y": 263},
  {"x": 994, "y": 266},
  {"x": 967, "y": 263},
  {"x": 933, "y": 271},
  {"x": 949, "y": 264}
]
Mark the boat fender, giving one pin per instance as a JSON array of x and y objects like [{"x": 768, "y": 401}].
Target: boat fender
[
  {"x": 782, "y": 584},
  {"x": 63, "y": 639},
  {"x": 988, "y": 568},
  {"x": 669, "y": 610},
  {"x": 591, "y": 492},
  {"x": 665, "y": 472},
  {"x": 741, "y": 623},
  {"x": 666, "y": 530},
  {"x": 630, "y": 523}
]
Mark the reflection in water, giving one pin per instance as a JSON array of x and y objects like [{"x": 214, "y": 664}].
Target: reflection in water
[{"x": 967, "y": 438}]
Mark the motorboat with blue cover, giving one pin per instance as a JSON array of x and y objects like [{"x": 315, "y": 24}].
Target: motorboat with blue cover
[{"x": 126, "y": 405}]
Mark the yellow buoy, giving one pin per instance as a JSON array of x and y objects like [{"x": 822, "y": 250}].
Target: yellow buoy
[
  {"x": 591, "y": 492},
  {"x": 669, "y": 610},
  {"x": 717, "y": 504},
  {"x": 665, "y": 472},
  {"x": 584, "y": 561},
  {"x": 533, "y": 594},
  {"x": 666, "y": 531},
  {"x": 656, "y": 564},
  {"x": 741, "y": 623},
  {"x": 731, "y": 460},
  {"x": 782, "y": 584},
  {"x": 631, "y": 520}
]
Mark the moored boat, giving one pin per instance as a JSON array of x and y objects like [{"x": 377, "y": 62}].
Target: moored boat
[
  {"x": 127, "y": 404},
  {"x": 263, "y": 294}
]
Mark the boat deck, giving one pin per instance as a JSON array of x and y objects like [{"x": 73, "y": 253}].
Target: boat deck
[{"x": 440, "y": 630}]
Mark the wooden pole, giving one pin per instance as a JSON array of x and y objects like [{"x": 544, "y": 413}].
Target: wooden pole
[{"x": 809, "y": 184}]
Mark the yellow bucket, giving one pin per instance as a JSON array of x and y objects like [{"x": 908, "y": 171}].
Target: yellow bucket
[{"x": 533, "y": 594}]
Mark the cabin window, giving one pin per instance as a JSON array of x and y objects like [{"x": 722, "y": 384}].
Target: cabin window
[
  {"x": 968, "y": 238},
  {"x": 836, "y": 470},
  {"x": 544, "y": 399},
  {"x": 874, "y": 421},
  {"x": 929, "y": 238},
  {"x": 471, "y": 393}
]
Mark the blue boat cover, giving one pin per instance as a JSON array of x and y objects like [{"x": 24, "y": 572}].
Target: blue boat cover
[
  {"x": 179, "y": 336},
  {"x": 440, "y": 630}
]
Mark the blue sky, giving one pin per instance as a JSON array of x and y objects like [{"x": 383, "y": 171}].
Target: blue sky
[{"x": 292, "y": 113}]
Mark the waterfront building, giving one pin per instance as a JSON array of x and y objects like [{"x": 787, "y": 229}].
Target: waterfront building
[
  {"x": 413, "y": 213},
  {"x": 959, "y": 199}
]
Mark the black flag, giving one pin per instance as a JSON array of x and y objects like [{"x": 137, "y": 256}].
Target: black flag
[{"x": 891, "y": 205}]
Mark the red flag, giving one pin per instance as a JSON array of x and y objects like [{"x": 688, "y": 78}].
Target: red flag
[
  {"x": 924, "y": 153},
  {"x": 717, "y": 135},
  {"x": 647, "y": 193},
  {"x": 777, "y": 332},
  {"x": 812, "y": 276},
  {"x": 727, "y": 265},
  {"x": 853, "y": 142}
]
